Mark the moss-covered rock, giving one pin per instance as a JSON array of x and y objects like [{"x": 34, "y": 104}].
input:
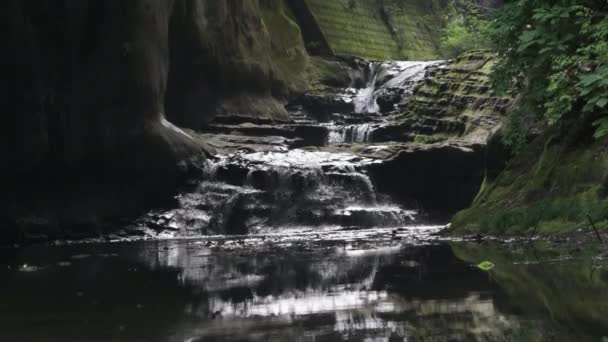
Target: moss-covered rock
[
  {"x": 233, "y": 61},
  {"x": 379, "y": 30},
  {"x": 455, "y": 102},
  {"x": 556, "y": 185}
]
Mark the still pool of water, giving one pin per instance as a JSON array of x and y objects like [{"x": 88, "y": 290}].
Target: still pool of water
[{"x": 285, "y": 289}]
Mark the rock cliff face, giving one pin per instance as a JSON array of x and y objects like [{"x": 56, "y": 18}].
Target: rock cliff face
[
  {"x": 448, "y": 124},
  {"x": 233, "y": 61},
  {"x": 86, "y": 83},
  {"x": 92, "y": 89},
  {"x": 95, "y": 80},
  {"x": 373, "y": 29}
]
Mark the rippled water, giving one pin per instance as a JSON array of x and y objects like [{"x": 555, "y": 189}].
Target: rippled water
[{"x": 304, "y": 285}]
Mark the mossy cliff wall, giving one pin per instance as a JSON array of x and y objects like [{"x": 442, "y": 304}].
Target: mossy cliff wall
[
  {"x": 233, "y": 60},
  {"x": 556, "y": 185},
  {"x": 375, "y": 29}
]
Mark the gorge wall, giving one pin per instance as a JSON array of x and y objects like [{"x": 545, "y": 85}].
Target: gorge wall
[
  {"x": 377, "y": 30},
  {"x": 91, "y": 82},
  {"x": 92, "y": 91}
]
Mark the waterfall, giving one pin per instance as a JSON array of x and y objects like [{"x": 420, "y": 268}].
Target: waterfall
[
  {"x": 364, "y": 100},
  {"x": 339, "y": 134},
  {"x": 382, "y": 76},
  {"x": 249, "y": 192}
]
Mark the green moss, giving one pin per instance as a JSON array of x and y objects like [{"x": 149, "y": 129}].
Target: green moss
[
  {"x": 551, "y": 187},
  {"x": 546, "y": 216},
  {"x": 380, "y": 30},
  {"x": 458, "y": 99},
  {"x": 288, "y": 53},
  {"x": 428, "y": 139}
]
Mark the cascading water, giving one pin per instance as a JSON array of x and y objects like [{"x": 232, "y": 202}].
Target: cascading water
[
  {"x": 253, "y": 192},
  {"x": 402, "y": 75},
  {"x": 350, "y": 133},
  {"x": 383, "y": 78},
  {"x": 249, "y": 192},
  {"x": 364, "y": 100}
]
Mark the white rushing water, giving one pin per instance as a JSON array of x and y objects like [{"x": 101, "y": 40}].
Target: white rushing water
[
  {"x": 349, "y": 133},
  {"x": 383, "y": 77},
  {"x": 365, "y": 101},
  {"x": 403, "y": 75},
  {"x": 245, "y": 193}
]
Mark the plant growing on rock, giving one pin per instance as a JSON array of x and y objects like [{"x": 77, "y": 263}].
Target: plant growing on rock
[{"x": 555, "y": 53}]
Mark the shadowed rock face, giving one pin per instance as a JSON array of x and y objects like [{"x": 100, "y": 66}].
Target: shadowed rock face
[
  {"x": 87, "y": 79},
  {"x": 86, "y": 83},
  {"x": 221, "y": 66},
  {"x": 85, "y": 89}
]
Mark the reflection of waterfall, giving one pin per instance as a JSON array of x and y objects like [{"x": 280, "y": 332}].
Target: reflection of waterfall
[{"x": 383, "y": 76}]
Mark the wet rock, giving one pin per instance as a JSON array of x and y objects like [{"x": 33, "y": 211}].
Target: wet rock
[
  {"x": 234, "y": 174},
  {"x": 322, "y": 105},
  {"x": 248, "y": 192},
  {"x": 298, "y": 135}
]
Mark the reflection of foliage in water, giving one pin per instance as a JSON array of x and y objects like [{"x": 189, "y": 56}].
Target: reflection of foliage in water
[{"x": 541, "y": 282}]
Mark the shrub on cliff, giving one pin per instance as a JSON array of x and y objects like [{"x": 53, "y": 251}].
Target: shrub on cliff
[{"x": 555, "y": 53}]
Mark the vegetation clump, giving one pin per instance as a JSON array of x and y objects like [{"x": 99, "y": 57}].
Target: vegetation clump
[
  {"x": 553, "y": 53},
  {"x": 465, "y": 29}
]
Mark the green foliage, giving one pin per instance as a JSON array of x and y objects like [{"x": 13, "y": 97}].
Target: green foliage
[
  {"x": 555, "y": 53},
  {"x": 466, "y": 29},
  {"x": 516, "y": 133}
]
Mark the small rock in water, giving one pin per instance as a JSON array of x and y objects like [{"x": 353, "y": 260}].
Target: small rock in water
[{"x": 64, "y": 264}]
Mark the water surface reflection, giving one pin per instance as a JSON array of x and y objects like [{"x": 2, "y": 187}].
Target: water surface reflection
[{"x": 199, "y": 291}]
